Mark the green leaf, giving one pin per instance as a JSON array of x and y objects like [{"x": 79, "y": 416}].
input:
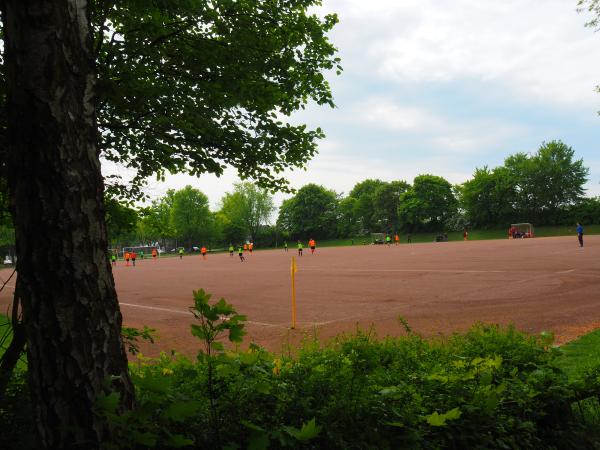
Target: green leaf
[
  {"x": 155, "y": 383},
  {"x": 439, "y": 420},
  {"x": 436, "y": 420},
  {"x": 453, "y": 414},
  {"x": 396, "y": 424},
  {"x": 218, "y": 346},
  {"x": 308, "y": 431},
  {"x": 251, "y": 426},
  {"x": 178, "y": 441},
  {"x": 258, "y": 441},
  {"x": 485, "y": 378},
  {"x": 249, "y": 358},
  {"x": 181, "y": 410},
  {"x": 108, "y": 403},
  {"x": 148, "y": 439},
  {"x": 263, "y": 388},
  {"x": 199, "y": 332},
  {"x": 236, "y": 333}
]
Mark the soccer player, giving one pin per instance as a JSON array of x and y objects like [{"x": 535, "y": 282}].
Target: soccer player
[
  {"x": 285, "y": 246},
  {"x": 396, "y": 239},
  {"x": 231, "y": 249},
  {"x": 154, "y": 254},
  {"x": 408, "y": 238},
  {"x": 180, "y": 253},
  {"x": 250, "y": 247},
  {"x": 245, "y": 247},
  {"x": 241, "y": 253},
  {"x": 127, "y": 259},
  {"x": 300, "y": 247},
  {"x": 312, "y": 244},
  {"x": 580, "y": 234},
  {"x": 465, "y": 235},
  {"x": 113, "y": 260},
  {"x": 133, "y": 257},
  {"x": 388, "y": 239},
  {"x": 141, "y": 254},
  {"x": 203, "y": 251}
]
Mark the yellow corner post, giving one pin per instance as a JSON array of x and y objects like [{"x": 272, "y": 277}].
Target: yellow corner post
[{"x": 293, "y": 270}]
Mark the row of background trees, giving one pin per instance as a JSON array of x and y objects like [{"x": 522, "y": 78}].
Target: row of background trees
[{"x": 546, "y": 188}]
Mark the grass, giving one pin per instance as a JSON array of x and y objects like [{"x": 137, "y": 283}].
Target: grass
[
  {"x": 6, "y": 338},
  {"x": 580, "y": 355}
]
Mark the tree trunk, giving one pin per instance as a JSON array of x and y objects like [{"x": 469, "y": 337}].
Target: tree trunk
[{"x": 71, "y": 315}]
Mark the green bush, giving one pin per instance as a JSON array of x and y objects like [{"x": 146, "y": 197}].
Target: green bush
[{"x": 491, "y": 387}]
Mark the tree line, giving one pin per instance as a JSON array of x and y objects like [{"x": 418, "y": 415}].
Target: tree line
[
  {"x": 545, "y": 188},
  {"x": 183, "y": 218}
]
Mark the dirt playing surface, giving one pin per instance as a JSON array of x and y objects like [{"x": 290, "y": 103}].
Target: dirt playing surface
[{"x": 537, "y": 284}]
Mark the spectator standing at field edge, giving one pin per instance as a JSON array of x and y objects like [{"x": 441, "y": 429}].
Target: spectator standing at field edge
[{"x": 580, "y": 234}]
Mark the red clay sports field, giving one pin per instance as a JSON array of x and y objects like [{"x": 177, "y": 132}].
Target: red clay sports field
[{"x": 537, "y": 284}]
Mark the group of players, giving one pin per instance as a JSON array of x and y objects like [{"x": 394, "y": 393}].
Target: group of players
[
  {"x": 248, "y": 247},
  {"x": 242, "y": 250},
  {"x": 132, "y": 256}
]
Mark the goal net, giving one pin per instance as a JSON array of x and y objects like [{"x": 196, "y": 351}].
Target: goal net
[
  {"x": 520, "y": 230},
  {"x": 142, "y": 250},
  {"x": 378, "y": 238}
]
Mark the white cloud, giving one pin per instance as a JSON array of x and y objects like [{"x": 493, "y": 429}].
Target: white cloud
[
  {"x": 437, "y": 128},
  {"x": 538, "y": 49},
  {"x": 531, "y": 67},
  {"x": 381, "y": 112}
]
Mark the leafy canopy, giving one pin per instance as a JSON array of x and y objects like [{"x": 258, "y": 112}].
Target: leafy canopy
[
  {"x": 196, "y": 85},
  {"x": 190, "y": 214},
  {"x": 311, "y": 213},
  {"x": 247, "y": 208}
]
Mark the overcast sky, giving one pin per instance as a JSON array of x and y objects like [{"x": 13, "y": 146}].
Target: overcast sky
[{"x": 443, "y": 87}]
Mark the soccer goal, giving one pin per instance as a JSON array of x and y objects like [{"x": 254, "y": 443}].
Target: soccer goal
[
  {"x": 520, "y": 231},
  {"x": 378, "y": 238},
  {"x": 141, "y": 250}
]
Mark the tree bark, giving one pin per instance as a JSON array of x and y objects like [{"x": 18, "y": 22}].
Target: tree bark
[{"x": 71, "y": 315}]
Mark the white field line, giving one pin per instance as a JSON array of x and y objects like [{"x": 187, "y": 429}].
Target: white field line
[
  {"x": 407, "y": 270},
  {"x": 179, "y": 311}
]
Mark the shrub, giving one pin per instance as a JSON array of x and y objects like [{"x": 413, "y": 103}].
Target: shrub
[{"x": 492, "y": 387}]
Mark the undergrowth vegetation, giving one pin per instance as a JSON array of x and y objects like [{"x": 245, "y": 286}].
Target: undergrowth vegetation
[{"x": 491, "y": 387}]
